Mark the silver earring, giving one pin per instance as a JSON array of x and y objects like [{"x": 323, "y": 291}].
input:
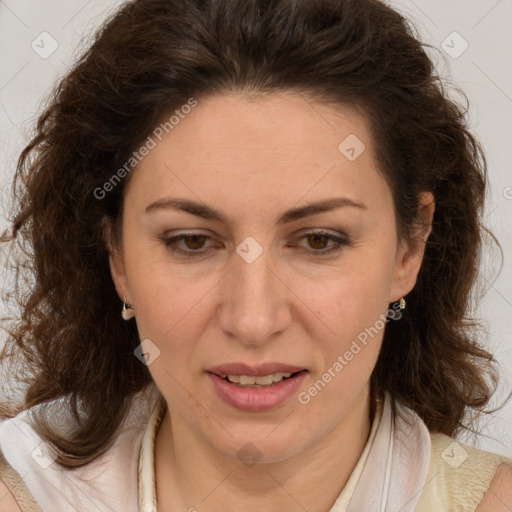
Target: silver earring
[{"x": 127, "y": 312}]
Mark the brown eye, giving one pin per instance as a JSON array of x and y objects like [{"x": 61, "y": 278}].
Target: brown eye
[
  {"x": 194, "y": 241},
  {"x": 318, "y": 241},
  {"x": 191, "y": 244}
]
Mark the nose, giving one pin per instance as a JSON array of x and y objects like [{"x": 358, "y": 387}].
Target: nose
[{"x": 255, "y": 304}]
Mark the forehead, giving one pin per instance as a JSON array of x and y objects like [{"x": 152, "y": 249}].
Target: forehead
[
  {"x": 275, "y": 123},
  {"x": 236, "y": 149}
]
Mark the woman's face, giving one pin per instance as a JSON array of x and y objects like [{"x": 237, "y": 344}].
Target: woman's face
[{"x": 220, "y": 261}]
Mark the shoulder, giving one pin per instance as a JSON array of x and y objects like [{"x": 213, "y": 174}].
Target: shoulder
[
  {"x": 14, "y": 496},
  {"x": 498, "y": 497},
  {"x": 464, "y": 477},
  {"x": 7, "y": 501}
]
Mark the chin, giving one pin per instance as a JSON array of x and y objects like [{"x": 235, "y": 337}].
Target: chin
[{"x": 258, "y": 448}]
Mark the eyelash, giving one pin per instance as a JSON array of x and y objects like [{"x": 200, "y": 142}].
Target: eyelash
[{"x": 339, "y": 243}]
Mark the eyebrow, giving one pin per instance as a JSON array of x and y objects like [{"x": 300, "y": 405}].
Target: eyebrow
[{"x": 207, "y": 212}]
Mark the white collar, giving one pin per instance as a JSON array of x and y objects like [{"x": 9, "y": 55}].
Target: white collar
[{"x": 389, "y": 475}]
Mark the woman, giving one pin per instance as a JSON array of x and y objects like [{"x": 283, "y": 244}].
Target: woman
[{"x": 254, "y": 227}]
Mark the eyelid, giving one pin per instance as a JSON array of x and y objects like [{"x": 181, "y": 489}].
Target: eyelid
[{"x": 321, "y": 231}]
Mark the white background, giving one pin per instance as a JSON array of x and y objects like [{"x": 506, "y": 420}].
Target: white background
[{"x": 483, "y": 71}]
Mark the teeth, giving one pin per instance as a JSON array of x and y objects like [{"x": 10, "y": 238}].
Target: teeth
[{"x": 250, "y": 380}]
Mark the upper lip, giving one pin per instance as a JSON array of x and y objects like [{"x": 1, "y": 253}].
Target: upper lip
[{"x": 256, "y": 370}]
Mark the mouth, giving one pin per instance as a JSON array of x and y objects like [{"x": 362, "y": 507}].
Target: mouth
[
  {"x": 257, "y": 388},
  {"x": 257, "y": 382}
]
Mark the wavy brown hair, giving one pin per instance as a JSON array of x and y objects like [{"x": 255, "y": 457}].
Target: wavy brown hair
[{"x": 150, "y": 58}]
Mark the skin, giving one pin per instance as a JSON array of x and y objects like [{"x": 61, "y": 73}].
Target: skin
[{"x": 254, "y": 159}]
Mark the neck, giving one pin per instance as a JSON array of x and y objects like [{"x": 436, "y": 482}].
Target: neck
[{"x": 197, "y": 475}]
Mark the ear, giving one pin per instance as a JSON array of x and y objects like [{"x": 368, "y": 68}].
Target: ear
[
  {"x": 115, "y": 260},
  {"x": 410, "y": 254}
]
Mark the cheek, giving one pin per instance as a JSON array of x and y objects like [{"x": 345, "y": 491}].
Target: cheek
[
  {"x": 353, "y": 295},
  {"x": 167, "y": 306},
  {"x": 172, "y": 310}
]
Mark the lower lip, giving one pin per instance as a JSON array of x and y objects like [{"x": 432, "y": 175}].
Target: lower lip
[{"x": 257, "y": 399}]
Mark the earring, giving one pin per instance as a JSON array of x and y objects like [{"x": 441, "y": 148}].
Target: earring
[
  {"x": 127, "y": 312},
  {"x": 402, "y": 303}
]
